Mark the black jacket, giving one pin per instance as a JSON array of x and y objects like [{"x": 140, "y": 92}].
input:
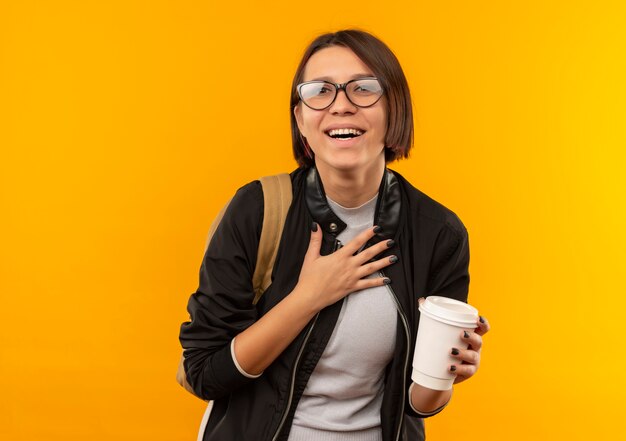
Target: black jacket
[{"x": 433, "y": 250}]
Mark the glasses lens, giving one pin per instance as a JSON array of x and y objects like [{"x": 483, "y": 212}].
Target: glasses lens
[
  {"x": 364, "y": 92},
  {"x": 317, "y": 94}
]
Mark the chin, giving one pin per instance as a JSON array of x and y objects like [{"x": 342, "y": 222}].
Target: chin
[
  {"x": 349, "y": 159},
  {"x": 346, "y": 163}
]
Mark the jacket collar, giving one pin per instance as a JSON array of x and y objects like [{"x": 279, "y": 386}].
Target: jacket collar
[{"x": 387, "y": 213}]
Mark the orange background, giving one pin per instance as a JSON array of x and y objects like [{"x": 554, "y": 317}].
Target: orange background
[{"x": 125, "y": 125}]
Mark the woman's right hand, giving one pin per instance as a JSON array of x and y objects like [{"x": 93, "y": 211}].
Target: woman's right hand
[
  {"x": 326, "y": 279},
  {"x": 323, "y": 281}
]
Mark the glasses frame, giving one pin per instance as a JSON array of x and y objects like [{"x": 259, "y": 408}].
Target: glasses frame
[{"x": 339, "y": 87}]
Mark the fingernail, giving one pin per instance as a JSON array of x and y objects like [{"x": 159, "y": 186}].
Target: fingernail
[
  {"x": 386, "y": 280},
  {"x": 393, "y": 259},
  {"x": 377, "y": 229},
  {"x": 390, "y": 243},
  {"x": 482, "y": 320},
  {"x": 453, "y": 368},
  {"x": 314, "y": 227},
  {"x": 455, "y": 351},
  {"x": 465, "y": 334}
]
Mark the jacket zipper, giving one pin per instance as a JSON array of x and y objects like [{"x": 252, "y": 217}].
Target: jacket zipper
[
  {"x": 295, "y": 366},
  {"x": 293, "y": 379},
  {"x": 406, "y": 359}
]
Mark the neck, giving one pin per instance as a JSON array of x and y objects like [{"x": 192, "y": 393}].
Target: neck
[{"x": 352, "y": 188}]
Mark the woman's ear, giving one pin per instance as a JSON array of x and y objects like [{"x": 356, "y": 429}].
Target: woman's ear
[{"x": 297, "y": 112}]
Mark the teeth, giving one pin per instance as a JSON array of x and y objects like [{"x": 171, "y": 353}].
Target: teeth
[{"x": 335, "y": 132}]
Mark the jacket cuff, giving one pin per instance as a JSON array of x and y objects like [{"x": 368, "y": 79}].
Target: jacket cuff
[
  {"x": 215, "y": 376},
  {"x": 239, "y": 368},
  {"x": 423, "y": 414}
]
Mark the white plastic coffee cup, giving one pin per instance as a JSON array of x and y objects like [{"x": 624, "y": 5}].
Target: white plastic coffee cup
[{"x": 442, "y": 321}]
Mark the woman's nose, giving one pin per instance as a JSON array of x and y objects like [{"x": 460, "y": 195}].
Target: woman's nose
[{"x": 342, "y": 104}]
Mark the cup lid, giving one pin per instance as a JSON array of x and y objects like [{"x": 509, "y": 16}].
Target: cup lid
[{"x": 450, "y": 311}]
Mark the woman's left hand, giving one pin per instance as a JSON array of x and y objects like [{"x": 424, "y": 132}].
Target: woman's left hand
[{"x": 469, "y": 359}]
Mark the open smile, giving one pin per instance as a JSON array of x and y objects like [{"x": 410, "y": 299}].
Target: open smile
[{"x": 344, "y": 136}]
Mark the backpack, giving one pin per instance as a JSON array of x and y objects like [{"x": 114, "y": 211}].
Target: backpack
[{"x": 277, "y": 199}]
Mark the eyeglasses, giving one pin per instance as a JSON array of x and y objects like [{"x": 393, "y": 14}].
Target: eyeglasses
[{"x": 318, "y": 95}]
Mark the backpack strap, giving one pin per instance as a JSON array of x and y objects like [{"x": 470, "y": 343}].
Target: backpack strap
[{"x": 277, "y": 196}]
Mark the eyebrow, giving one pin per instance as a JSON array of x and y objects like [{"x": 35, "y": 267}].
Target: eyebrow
[{"x": 359, "y": 75}]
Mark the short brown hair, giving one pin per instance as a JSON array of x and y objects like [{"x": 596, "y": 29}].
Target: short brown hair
[{"x": 386, "y": 67}]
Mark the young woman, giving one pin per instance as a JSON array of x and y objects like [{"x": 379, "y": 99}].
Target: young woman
[{"x": 326, "y": 353}]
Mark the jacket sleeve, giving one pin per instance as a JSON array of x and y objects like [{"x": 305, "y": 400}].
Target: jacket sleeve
[
  {"x": 222, "y": 305},
  {"x": 449, "y": 275}
]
